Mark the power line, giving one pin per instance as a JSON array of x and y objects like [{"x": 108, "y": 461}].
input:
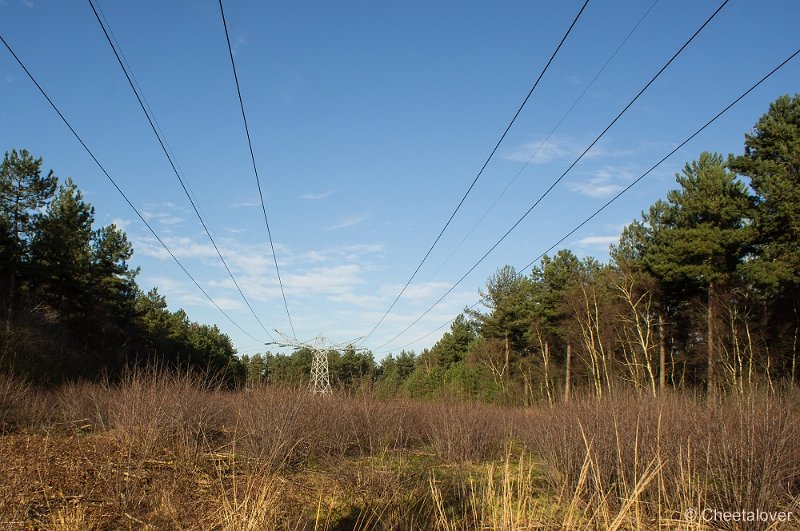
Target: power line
[
  {"x": 480, "y": 172},
  {"x": 547, "y": 138},
  {"x": 569, "y": 168},
  {"x": 629, "y": 186},
  {"x": 116, "y": 186},
  {"x": 172, "y": 163},
  {"x": 149, "y": 109},
  {"x": 255, "y": 168}
]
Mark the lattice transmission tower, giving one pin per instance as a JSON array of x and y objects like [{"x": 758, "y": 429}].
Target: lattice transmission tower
[{"x": 320, "y": 383}]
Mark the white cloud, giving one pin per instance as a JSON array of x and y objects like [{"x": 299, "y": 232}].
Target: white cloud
[
  {"x": 348, "y": 222},
  {"x": 537, "y": 151},
  {"x": 186, "y": 295},
  {"x": 604, "y": 182},
  {"x": 121, "y": 223},
  {"x": 336, "y": 279},
  {"x": 245, "y": 203},
  {"x": 170, "y": 220},
  {"x": 181, "y": 247},
  {"x": 165, "y": 213},
  {"x": 422, "y": 292},
  {"x": 317, "y": 197},
  {"x": 598, "y": 241},
  {"x": 362, "y": 301}
]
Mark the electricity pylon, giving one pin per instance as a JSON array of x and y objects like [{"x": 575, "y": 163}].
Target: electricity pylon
[{"x": 320, "y": 383}]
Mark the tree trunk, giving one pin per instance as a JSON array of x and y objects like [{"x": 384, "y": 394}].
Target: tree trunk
[
  {"x": 662, "y": 356},
  {"x": 546, "y": 359},
  {"x": 710, "y": 381},
  {"x": 568, "y": 374},
  {"x": 506, "y": 367},
  {"x": 10, "y": 308}
]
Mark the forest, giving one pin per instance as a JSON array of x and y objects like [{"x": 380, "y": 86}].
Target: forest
[
  {"x": 702, "y": 292},
  {"x": 655, "y": 391}
]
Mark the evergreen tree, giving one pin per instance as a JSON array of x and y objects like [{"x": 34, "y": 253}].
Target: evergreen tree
[
  {"x": 24, "y": 191},
  {"x": 454, "y": 345},
  {"x": 508, "y": 297},
  {"x": 61, "y": 252},
  {"x": 771, "y": 161},
  {"x": 698, "y": 238},
  {"x": 113, "y": 280}
]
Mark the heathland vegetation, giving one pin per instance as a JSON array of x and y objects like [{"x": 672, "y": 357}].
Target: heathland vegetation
[{"x": 636, "y": 393}]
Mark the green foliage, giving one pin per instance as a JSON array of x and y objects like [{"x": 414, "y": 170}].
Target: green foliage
[
  {"x": 702, "y": 233},
  {"x": 552, "y": 282},
  {"x": 454, "y": 345},
  {"x": 293, "y": 369},
  {"x": 351, "y": 369},
  {"x": 72, "y": 296},
  {"x": 23, "y": 192},
  {"x": 393, "y": 372},
  {"x": 714, "y": 266},
  {"x": 771, "y": 161}
]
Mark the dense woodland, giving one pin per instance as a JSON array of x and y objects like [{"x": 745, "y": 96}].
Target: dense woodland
[
  {"x": 703, "y": 292},
  {"x": 71, "y": 306}
]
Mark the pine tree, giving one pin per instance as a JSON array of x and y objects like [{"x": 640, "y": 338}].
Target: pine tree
[
  {"x": 23, "y": 192},
  {"x": 698, "y": 238},
  {"x": 771, "y": 161},
  {"x": 61, "y": 252}
]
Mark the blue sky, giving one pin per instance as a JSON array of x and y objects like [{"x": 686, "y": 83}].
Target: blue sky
[{"x": 369, "y": 120}]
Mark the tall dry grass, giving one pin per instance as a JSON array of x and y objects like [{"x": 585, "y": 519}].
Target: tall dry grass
[{"x": 161, "y": 450}]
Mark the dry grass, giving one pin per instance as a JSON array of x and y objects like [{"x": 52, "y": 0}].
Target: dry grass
[{"x": 160, "y": 451}]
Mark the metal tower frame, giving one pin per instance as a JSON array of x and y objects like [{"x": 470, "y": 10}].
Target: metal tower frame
[{"x": 320, "y": 383}]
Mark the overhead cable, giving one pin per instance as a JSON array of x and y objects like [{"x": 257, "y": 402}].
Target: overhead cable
[
  {"x": 480, "y": 172},
  {"x": 255, "y": 167},
  {"x": 172, "y": 163},
  {"x": 569, "y": 168},
  {"x": 124, "y": 196},
  {"x": 628, "y": 187}
]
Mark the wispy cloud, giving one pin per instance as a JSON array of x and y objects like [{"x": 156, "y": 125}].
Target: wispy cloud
[
  {"x": 338, "y": 280},
  {"x": 604, "y": 182},
  {"x": 185, "y": 295},
  {"x": 598, "y": 241},
  {"x": 348, "y": 222},
  {"x": 170, "y": 220},
  {"x": 342, "y": 252},
  {"x": 245, "y": 203},
  {"x": 416, "y": 293},
  {"x": 165, "y": 213},
  {"x": 121, "y": 223},
  {"x": 537, "y": 151},
  {"x": 181, "y": 247},
  {"x": 317, "y": 197}
]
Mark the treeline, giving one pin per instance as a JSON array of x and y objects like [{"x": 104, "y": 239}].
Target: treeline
[
  {"x": 702, "y": 292},
  {"x": 71, "y": 307}
]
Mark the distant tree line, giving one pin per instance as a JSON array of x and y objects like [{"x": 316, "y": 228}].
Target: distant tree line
[
  {"x": 71, "y": 307},
  {"x": 702, "y": 292}
]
